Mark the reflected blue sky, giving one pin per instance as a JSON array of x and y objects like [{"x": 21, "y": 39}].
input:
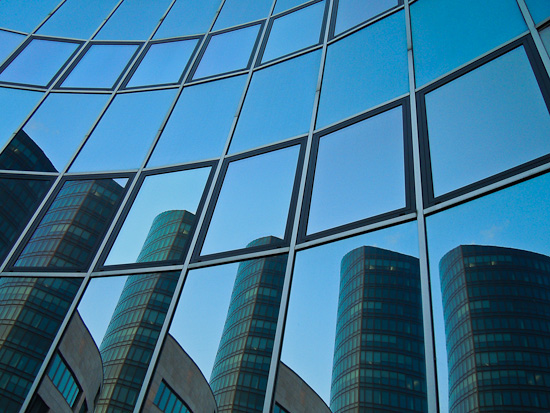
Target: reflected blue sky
[
  {"x": 308, "y": 344},
  {"x": 352, "y": 12},
  {"x": 24, "y": 15},
  {"x": 8, "y": 42},
  {"x": 539, "y": 9},
  {"x": 188, "y": 17},
  {"x": 282, "y": 5},
  {"x": 200, "y": 316},
  {"x": 171, "y": 191},
  {"x": 16, "y": 105},
  {"x": 236, "y": 12},
  {"x": 516, "y": 217}
]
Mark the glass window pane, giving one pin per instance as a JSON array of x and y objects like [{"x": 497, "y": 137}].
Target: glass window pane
[
  {"x": 70, "y": 232},
  {"x": 16, "y": 105},
  {"x": 20, "y": 198},
  {"x": 496, "y": 109},
  {"x": 282, "y": 5},
  {"x": 101, "y": 66},
  {"x": 539, "y": 9},
  {"x": 360, "y": 172},
  {"x": 199, "y": 124},
  {"x": 163, "y": 63},
  {"x": 159, "y": 224},
  {"x": 254, "y": 201},
  {"x": 235, "y": 12},
  {"x": 8, "y": 42},
  {"x": 53, "y": 133},
  {"x": 188, "y": 17},
  {"x": 278, "y": 103},
  {"x": 351, "y": 86},
  {"x": 353, "y": 12},
  {"x": 295, "y": 31},
  {"x": 135, "y": 119},
  {"x": 77, "y": 18},
  {"x": 448, "y": 33},
  {"x": 357, "y": 302},
  {"x": 545, "y": 35},
  {"x": 134, "y": 20},
  {"x": 24, "y": 15},
  {"x": 38, "y": 62},
  {"x": 489, "y": 265},
  {"x": 227, "y": 52}
]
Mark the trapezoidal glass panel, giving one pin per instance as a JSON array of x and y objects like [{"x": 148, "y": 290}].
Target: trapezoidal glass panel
[
  {"x": 235, "y": 12},
  {"x": 187, "y": 17},
  {"x": 350, "y": 13}
]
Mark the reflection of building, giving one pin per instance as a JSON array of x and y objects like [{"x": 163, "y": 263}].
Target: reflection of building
[
  {"x": 379, "y": 350},
  {"x": 239, "y": 376},
  {"x": 32, "y": 311},
  {"x": 24, "y": 154},
  {"x": 73, "y": 226},
  {"x": 496, "y": 303}
]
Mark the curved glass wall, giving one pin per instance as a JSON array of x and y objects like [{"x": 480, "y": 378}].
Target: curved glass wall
[{"x": 274, "y": 205}]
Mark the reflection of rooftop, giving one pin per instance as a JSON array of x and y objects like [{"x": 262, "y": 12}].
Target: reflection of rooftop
[{"x": 24, "y": 154}]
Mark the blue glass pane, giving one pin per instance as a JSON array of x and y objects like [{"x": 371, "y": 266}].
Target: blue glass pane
[
  {"x": 364, "y": 69},
  {"x": 125, "y": 132},
  {"x": 353, "y": 12},
  {"x": 24, "y": 15},
  {"x": 496, "y": 109},
  {"x": 227, "y": 52},
  {"x": 360, "y": 172},
  {"x": 77, "y": 18},
  {"x": 58, "y": 127},
  {"x": 16, "y": 106},
  {"x": 163, "y": 63},
  {"x": 167, "y": 202},
  {"x": 295, "y": 31},
  {"x": 235, "y": 12},
  {"x": 188, "y": 17},
  {"x": 8, "y": 42},
  {"x": 278, "y": 103},
  {"x": 282, "y": 5},
  {"x": 539, "y": 9},
  {"x": 199, "y": 125},
  {"x": 100, "y": 67},
  {"x": 134, "y": 20},
  {"x": 449, "y": 33},
  {"x": 254, "y": 201},
  {"x": 38, "y": 62}
]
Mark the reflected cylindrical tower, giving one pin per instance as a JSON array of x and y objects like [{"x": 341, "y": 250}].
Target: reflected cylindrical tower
[
  {"x": 379, "y": 350},
  {"x": 496, "y": 303}
]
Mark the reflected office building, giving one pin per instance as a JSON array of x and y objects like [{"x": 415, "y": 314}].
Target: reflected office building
[
  {"x": 379, "y": 351},
  {"x": 497, "y": 319}
]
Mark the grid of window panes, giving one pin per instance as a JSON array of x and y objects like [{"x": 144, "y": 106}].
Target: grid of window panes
[
  {"x": 144, "y": 138},
  {"x": 63, "y": 380},
  {"x": 169, "y": 402}
]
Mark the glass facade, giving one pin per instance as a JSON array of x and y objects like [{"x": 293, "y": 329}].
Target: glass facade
[{"x": 275, "y": 206}]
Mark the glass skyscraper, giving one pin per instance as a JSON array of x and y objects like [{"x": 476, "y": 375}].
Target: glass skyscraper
[{"x": 151, "y": 140}]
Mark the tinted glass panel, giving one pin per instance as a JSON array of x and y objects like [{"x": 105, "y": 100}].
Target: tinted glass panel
[
  {"x": 32, "y": 312},
  {"x": 134, "y": 118},
  {"x": 77, "y": 18},
  {"x": 38, "y": 62},
  {"x": 227, "y": 52},
  {"x": 24, "y": 15},
  {"x": 545, "y": 35},
  {"x": 496, "y": 109},
  {"x": 8, "y": 42},
  {"x": 158, "y": 226},
  {"x": 278, "y": 103},
  {"x": 199, "y": 125},
  {"x": 101, "y": 66},
  {"x": 163, "y": 63},
  {"x": 188, "y": 17},
  {"x": 490, "y": 264},
  {"x": 359, "y": 173},
  {"x": 441, "y": 42},
  {"x": 351, "y": 86},
  {"x": 282, "y": 5},
  {"x": 354, "y": 324},
  {"x": 20, "y": 198},
  {"x": 352, "y": 12},
  {"x": 254, "y": 201},
  {"x": 53, "y": 133},
  {"x": 71, "y": 230},
  {"x": 16, "y": 105},
  {"x": 235, "y": 12},
  {"x": 295, "y": 31},
  {"x": 539, "y": 9},
  {"x": 134, "y": 20}
]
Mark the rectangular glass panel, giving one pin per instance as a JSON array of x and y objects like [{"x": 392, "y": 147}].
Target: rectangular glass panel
[
  {"x": 8, "y": 42},
  {"x": 135, "y": 119},
  {"x": 489, "y": 120},
  {"x": 160, "y": 222},
  {"x": 38, "y": 62},
  {"x": 353, "y": 12},
  {"x": 235, "y": 12},
  {"x": 188, "y": 17},
  {"x": 254, "y": 201},
  {"x": 351, "y": 85},
  {"x": 16, "y": 105}
]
